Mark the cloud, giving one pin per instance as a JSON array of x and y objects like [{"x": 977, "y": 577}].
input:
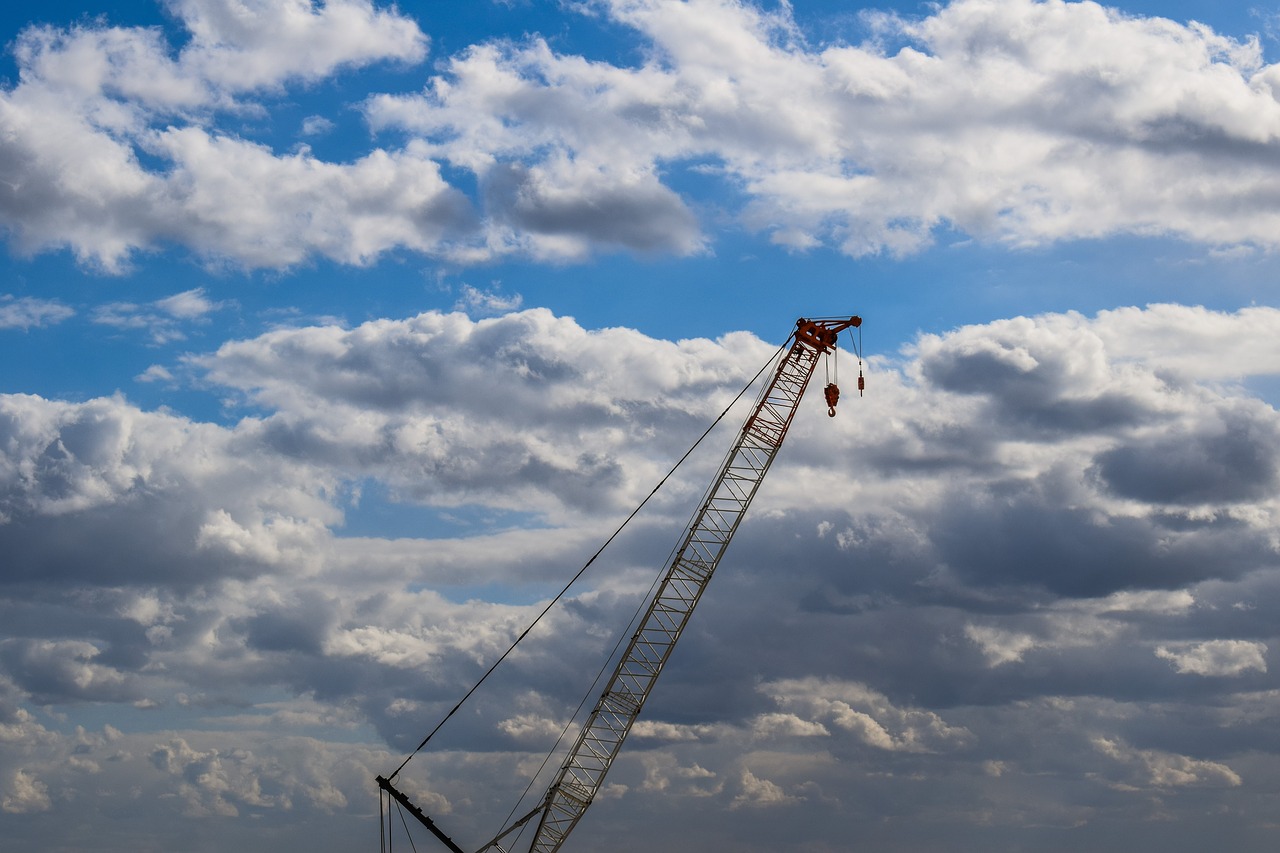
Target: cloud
[
  {"x": 1164, "y": 770},
  {"x": 1230, "y": 462},
  {"x": 868, "y": 715},
  {"x": 758, "y": 793},
  {"x": 155, "y": 373},
  {"x": 60, "y": 670},
  {"x": 412, "y": 404},
  {"x": 1216, "y": 657},
  {"x": 488, "y": 302},
  {"x": 984, "y": 119},
  {"x": 989, "y": 121},
  {"x": 434, "y": 426},
  {"x": 231, "y": 198},
  {"x": 29, "y": 312},
  {"x": 293, "y": 782},
  {"x": 944, "y": 579},
  {"x": 103, "y": 493},
  {"x": 162, "y": 319},
  {"x": 243, "y": 46},
  {"x": 94, "y": 101},
  {"x": 25, "y": 794},
  {"x": 316, "y": 126},
  {"x": 565, "y": 210},
  {"x": 235, "y": 47},
  {"x": 999, "y": 646}
]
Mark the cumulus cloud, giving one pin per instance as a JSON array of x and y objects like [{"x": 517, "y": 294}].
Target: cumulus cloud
[
  {"x": 423, "y": 403},
  {"x": 24, "y": 793},
  {"x": 759, "y": 793},
  {"x": 241, "y": 45},
  {"x": 866, "y": 714},
  {"x": 138, "y": 488},
  {"x": 95, "y": 100},
  {"x": 1165, "y": 770},
  {"x": 1033, "y": 409},
  {"x": 295, "y": 781},
  {"x": 988, "y": 589},
  {"x": 1216, "y": 657},
  {"x": 990, "y": 120},
  {"x": 983, "y": 119}
]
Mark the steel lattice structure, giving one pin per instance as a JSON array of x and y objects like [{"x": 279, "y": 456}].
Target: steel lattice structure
[{"x": 713, "y": 525}]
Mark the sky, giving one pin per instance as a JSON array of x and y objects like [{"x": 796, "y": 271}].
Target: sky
[{"x": 336, "y": 337}]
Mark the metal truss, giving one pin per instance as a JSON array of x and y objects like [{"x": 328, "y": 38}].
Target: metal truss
[{"x": 713, "y": 526}]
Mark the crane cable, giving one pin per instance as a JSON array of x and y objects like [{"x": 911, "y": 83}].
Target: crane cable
[
  {"x": 587, "y": 565},
  {"x": 622, "y": 636}
]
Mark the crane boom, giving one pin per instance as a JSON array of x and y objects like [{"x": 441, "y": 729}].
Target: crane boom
[
  {"x": 713, "y": 526},
  {"x": 724, "y": 505}
]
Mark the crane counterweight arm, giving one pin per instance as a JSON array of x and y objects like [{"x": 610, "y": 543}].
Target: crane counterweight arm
[{"x": 713, "y": 526}]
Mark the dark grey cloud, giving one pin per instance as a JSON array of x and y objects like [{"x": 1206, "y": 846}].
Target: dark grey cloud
[
  {"x": 1021, "y": 538},
  {"x": 1030, "y": 400},
  {"x": 595, "y": 208},
  {"x": 1230, "y": 461}
]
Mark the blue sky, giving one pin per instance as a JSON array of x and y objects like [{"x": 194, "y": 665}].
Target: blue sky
[{"x": 337, "y": 336}]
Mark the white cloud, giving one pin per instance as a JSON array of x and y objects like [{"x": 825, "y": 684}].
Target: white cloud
[
  {"x": 235, "y": 199},
  {"x": 434, "y": 427},
  {"x": 188, "y": 305},
  {"x": 488, "y": 302},
  {"x": 666, "y": 775},
  {"x": 162, "y": 319},
  {"x": 1150, "y": 601},
  {"x": 867, "y": 714},
  {"x": 758, "y": 793},
  {"x": 242, "y": 45},
  {"x": 1168, "y": 770},
  {"x": 236, "y": 47},
  {"x": 25, "y": 794},
  {"x": 93, "y": 465},
  {"x": 93, "y": 100},
  {"x": 671, "y": 732},
  {"x": 531, "y": 728},
  {"x": 155, "y": 373},
  {"x": 1239, "y": 341},
  {"x": 316, "y": 126},
  {"x": 990, "y": 122},
  {"x": 29, "y": 312},
  {"x": 787, "y": 725},
  {"x": 1216, "y": 657},
  {"x": 1000, "y": 647}
]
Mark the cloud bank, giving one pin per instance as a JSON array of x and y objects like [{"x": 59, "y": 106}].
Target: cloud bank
[
  {"x": 982, "y": 119},
  {"x": 962, "y": 593}
]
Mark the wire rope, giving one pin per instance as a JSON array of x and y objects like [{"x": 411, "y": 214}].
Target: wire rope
[
  {"x": 584, "y": 568},
  {"x": 408, "y": 835},
  {"x": 635, "y": 616}
]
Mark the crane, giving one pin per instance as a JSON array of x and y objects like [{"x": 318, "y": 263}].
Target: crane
[{"x": 583, "y": 770}]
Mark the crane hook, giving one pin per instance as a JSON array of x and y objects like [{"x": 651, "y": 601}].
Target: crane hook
[{"x": 832, "y": 393}]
